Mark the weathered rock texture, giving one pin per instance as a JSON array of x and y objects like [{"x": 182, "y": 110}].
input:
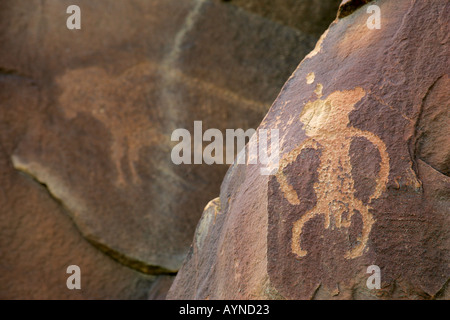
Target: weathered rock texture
[
  {"x": 311, "y": 17},
  {"x": 363, "y": 177},
  {"x": 86, "y": 118}
]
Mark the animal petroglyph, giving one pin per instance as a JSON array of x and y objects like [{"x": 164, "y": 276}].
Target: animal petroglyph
[
  {"x": 326, "y": 124},
  {"x": 122, "y": 103}
]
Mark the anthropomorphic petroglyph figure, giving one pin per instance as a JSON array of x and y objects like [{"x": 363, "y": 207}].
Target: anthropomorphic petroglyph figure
[{"x": 326, "y": 124}]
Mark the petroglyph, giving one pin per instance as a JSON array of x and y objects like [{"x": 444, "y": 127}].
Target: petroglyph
[
  {"x": 120, "y": 109},
  {"x": 310, "y": 78},
  {"x": 318, "y": 90},
  {"x": 326, "y": 124},
  {"x": 128, "y": 128}
]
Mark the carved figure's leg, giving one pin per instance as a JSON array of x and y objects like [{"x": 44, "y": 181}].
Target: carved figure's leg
[
  {"x": 296, "y": 232},
  {"x": 366, "y": 228}
]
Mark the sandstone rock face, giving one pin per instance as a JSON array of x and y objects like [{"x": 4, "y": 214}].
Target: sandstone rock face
[
  {"x": 363, "y": 173},
  {"x": 86, "y": 118},
  {"x": 311, "y": 17}
]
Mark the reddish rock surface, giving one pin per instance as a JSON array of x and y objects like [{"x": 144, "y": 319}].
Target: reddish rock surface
[
  {"x": 363, "y": 177},
  {"x": 85, "y": 123}
]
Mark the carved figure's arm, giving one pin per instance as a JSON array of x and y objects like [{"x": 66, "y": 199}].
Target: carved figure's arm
[
  {"x": 383, "y": 174},
  {"x": 288, "y": 191}
]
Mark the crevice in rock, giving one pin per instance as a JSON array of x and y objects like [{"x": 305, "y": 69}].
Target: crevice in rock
[
  {"x": 433, "y": 167},
  {"x": 314, "y": 295},
  {"x": 419, "y": 133},
  {"x": 132, "y": 263},
  {"x": 350, "y": 6},
  {"x": 14, "y": 73},
  {"x": 8, "y": 72},
  {"x": 443, "y": 291}
]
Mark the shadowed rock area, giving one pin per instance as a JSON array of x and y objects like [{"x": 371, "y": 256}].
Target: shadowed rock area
[
  {"x": 311, "y": 17},
  {"x": 86, "y": 118},
  {"x": 362, "y": 179}
]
